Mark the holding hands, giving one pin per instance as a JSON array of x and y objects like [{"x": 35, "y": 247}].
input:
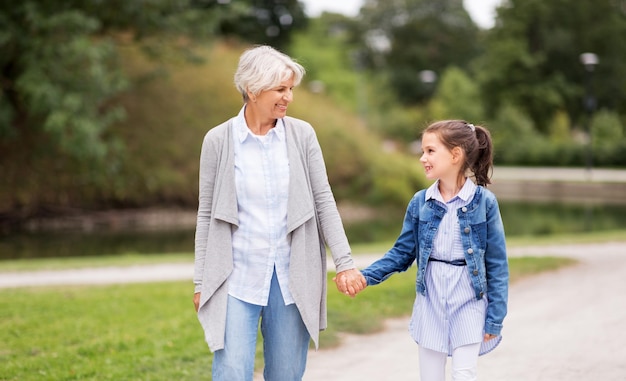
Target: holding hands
[{"x": 350, "y": 282}]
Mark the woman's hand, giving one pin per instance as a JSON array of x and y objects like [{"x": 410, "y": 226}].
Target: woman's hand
[
  {"x": 196, "y": 300},
  {"x": 350, "y": 282}
]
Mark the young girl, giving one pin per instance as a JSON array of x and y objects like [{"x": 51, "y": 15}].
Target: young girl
[{"x": 454, "y": 231}]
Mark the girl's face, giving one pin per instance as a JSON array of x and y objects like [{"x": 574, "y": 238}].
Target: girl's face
[
  {"x": 437, "y": 159},
  {"x": 273, "y": 103}
]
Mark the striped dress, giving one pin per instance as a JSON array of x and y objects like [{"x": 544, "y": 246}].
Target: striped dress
[{"x": 449, "y": 316}]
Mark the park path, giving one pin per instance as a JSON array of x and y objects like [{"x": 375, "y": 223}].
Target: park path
[{"x": 562, "y": 326}]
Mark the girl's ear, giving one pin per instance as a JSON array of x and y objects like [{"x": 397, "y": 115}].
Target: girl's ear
[{"x": 457, "y": 154}]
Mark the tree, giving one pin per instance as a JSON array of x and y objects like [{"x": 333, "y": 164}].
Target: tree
[
  {"x": 532, "y": 57},
  {"x": 457, "y": 97},
  {"x": 403, "y": 38},
  {"x": 260, "y": 21},
  {"x": 59, "y": 69}
]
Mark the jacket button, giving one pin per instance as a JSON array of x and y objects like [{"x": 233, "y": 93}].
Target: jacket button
[
  {"x": 464, "y": 209},
  {"x": 466, "y": 230},
  {"x": 470, "y": 251},
  {"x": 475, "y": 272},
  {"x": 481, "y": 294}
]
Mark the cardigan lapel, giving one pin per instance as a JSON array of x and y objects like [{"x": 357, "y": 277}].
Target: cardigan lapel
[
  {"x": 300, "y": 207},
  {"x": 225, "y": 203}
]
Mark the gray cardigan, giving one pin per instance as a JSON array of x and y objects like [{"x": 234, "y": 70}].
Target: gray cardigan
[{"x": 311, "y": 208}]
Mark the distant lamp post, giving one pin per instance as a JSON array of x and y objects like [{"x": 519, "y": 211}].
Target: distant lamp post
[
  {"x": 589, "y": 60},
  {"x": 428, "y": 78}
]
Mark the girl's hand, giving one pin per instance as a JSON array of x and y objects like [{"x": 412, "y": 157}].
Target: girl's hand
[
  {"x": 350, "y": 282},
  {"x": 489, "y": 336}
]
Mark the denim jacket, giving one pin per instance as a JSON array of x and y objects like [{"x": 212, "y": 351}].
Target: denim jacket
[{"x": 482, "y": 235}]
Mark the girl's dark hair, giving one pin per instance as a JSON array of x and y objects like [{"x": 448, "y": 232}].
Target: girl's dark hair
[{"x": 475, "y": 141}]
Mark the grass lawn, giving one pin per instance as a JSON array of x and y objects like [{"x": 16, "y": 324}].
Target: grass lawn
[{"x": 150, "y": 332}]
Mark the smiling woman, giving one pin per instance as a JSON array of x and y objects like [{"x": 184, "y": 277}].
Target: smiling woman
[{"x": 265, "y": 205}]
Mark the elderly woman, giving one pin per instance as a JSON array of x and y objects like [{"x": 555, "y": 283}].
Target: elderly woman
[{"x": 265, "y": 213}]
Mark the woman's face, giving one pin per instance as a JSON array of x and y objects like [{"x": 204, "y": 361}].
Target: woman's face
[{"x": 273, "y": 103}]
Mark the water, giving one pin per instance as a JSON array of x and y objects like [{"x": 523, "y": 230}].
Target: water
[
  {"x": 520, "y": 219},
  {"x": 70, "y": 244}
]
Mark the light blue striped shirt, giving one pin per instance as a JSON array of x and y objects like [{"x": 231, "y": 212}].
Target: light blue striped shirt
[
  {"x": 449, "y": 316},
  {"x": 260, "y": 242}
]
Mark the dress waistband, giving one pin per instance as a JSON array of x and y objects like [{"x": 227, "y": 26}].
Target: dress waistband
[{"x": 454, "y": 262}]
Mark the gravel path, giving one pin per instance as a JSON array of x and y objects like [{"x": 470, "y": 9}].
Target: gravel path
[{"x": 564, "y": 325}]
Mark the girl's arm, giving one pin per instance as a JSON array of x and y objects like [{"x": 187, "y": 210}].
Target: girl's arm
[
  {"x": 399, "y": 258},
  {"x": 497, "y": 271}
]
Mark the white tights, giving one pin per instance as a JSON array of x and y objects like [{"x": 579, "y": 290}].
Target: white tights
[{"x": 464, "y": 363}]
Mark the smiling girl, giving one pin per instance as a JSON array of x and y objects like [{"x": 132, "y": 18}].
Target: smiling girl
[{"x": 454, "y": 231}]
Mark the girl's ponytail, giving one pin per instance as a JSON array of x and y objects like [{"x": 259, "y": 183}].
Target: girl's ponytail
[{"x": 483, "y": 164}]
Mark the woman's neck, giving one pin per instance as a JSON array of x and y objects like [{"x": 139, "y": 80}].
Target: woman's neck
[{"x": 256, "y": 123}]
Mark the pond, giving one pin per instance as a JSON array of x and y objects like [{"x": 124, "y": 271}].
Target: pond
[{"x": 520, "y": 219}]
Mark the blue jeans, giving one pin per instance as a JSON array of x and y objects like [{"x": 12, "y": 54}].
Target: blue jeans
[{"x": 285, "y": 340}]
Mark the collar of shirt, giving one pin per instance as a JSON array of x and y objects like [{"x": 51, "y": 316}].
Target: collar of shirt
[
  {"x": 242, "y": 132},
  {"x": 466, "y": 193}
]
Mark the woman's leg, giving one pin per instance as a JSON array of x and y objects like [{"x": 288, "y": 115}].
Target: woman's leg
[
  {"x": 236, "y": 360},
  {"x": 285, "y": 338},
  {"x": 432, "y": 364},
  {"x": 465, "y": 362}
]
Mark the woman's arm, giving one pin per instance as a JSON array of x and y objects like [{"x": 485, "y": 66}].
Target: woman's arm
[{"x": 208, "y": 170}]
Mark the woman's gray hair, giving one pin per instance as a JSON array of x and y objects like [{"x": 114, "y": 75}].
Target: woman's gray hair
[{"x": 262, "y": 68}]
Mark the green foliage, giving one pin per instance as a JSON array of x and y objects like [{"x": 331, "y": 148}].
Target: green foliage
[
  {"x": 537, "y": 219},
  {"x": 167, "y": 117},
  {"x": 72, "y": 70},
  {"x": 508, "y": 130},
  {"x": 60, "y": 72},
  {"x": 559, "y": 128},
  {"x": 606, "y": 130},
  {"x": 532, "y": 57},
  {"x": 323, "y": 49},
  {"x": 358, "y": 167},
  {"x": 609, "y": 144},
  {"x": 401, "y": 124},
  {"x": 516, "y": 142},
  {"x": 270, "y": 22},
  {"x": 421, "y": 35},
  {"x": 457, "y": 97},
  {"x": 61, "y": 78},
  {"x": 394, "y": 180}
]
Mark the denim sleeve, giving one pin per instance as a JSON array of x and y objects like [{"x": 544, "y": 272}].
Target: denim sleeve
[
  {"x": 497, "y": 270},
  {"x": 399, "y": 258}
]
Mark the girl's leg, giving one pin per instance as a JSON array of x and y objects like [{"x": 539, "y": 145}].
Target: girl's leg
[
  {"x": 285, "y": 338},
  {"x": 236, "y": 360},
  {"x": 465, "y": 362},
  {"x": 432, "y": 365}
]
